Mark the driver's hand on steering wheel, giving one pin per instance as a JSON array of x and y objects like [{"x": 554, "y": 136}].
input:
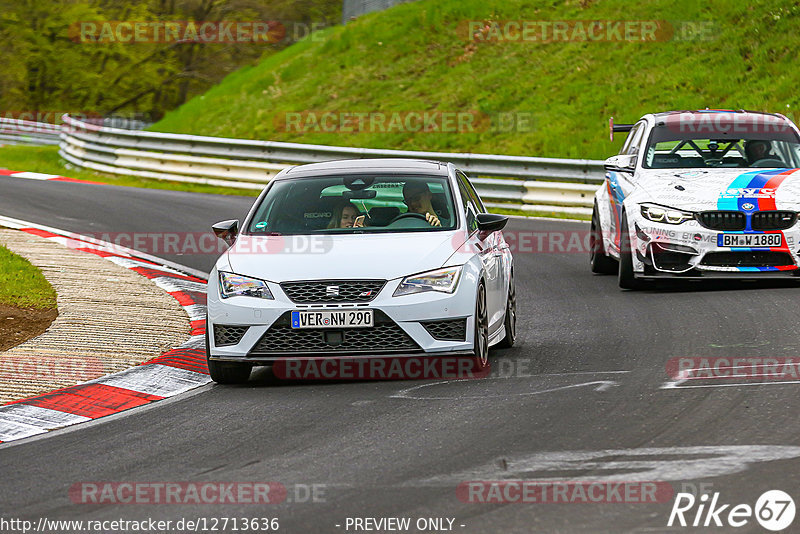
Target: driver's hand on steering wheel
[{"x": 433, "y": 220}]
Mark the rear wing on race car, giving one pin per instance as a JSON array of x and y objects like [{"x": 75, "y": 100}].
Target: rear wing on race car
[{"x": 617, "y": 128}]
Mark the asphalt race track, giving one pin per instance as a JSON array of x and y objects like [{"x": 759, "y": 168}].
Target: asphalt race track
[{"x": 585, "y": 395}]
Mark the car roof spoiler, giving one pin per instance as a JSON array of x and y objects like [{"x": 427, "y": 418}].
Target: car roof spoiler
[{"x": 617, "y": 128}]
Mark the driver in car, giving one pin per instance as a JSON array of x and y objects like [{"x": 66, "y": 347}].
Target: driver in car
[
  {"x": 417, "y": 196},
  {"x": 756, "y": 149}
]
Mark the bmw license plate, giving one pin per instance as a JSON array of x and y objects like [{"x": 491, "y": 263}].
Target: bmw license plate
[
  {"x": 750, "y": 240},
  {"x": 333, "y": 319}
]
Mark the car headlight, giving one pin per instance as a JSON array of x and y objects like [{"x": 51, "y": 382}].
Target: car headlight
[
  {"x": 232, "y": 285},
  {"x": 663, "y": 214},
  {"x": 441, "y": 280}
]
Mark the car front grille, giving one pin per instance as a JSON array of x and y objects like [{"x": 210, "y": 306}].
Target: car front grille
[
  {"x": 722, "y": 220},
  {"x": 385, "y": 336},
  {"x": 316, "y": 291},
  {"x": 737, "y": 220},
  {"x": 773, "y": 220},
  {"x": 754, "y": 258},
  {"x": 447, "y": 330},
  {"x": 225, "y": 334}
]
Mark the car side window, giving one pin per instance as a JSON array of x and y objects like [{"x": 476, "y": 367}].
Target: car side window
[
  {"x": 473, "y": 195},
  {"x": 636, "y": 140},
  {"x": 629, "y": 140},
  {"x": 470, "y": 209}
]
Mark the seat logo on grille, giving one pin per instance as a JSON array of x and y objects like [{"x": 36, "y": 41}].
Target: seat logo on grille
[
  {"x": 747, "y": 206},
  {"x": 332, "y": 291},
  {"x": 365, "y": 293}
]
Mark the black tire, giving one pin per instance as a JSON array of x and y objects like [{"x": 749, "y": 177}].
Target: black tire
[
  {"x": 480, "y": 360},
  {"x": 598, "y": 260},
  {"x": 626, "y": 278},
  {"x": 226, "y": 372},
  {"x": 510, "y": 322}
]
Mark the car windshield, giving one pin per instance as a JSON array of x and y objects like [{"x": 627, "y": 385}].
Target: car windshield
[
  {"x": 722, "y": 140},
  {"x": 359, "y": 203}
]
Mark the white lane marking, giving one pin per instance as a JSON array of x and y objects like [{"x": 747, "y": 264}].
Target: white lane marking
[
  {"x": 44, "y": 417},
  {"x": 130, "y": 263},
  {"x": 196, "y": 312},
  {"x": 11, "y": 430},
  {"x": 171, "y": 285},
  {"x": 631, "y": 465},
  {"x": 35, "y": 175},
  {"x": 582, "y": 373},
  {"x": 195, "y": 342},
  {"x": 21, "y": 420},
  {"x": 602, "y": 385},
  {"x": 685, "y": 375},
  {"x": 155, "y": 379},
  {"x": 676, "y": 384},
  {"x": 76, "y": 243},
  {"x": 673, "y": 384}
]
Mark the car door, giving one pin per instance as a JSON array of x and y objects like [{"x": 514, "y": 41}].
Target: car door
[
  {"x": 489, "y": 252},
  {"x": 620, "y": 184}
]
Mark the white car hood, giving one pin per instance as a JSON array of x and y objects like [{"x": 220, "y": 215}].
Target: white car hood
[
  {"x": 702, "y": 189},
  {"x": 375, "y": 256}
]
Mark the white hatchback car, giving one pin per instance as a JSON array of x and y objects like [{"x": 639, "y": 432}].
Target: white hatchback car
[
  {"x": 360, "y": 258},
  {"x": 700, "y": 194}
]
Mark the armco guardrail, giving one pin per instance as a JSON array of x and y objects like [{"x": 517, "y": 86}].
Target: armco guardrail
[
  {"x": 22, "y": 132},
  {"x": 530, "y": 184}
]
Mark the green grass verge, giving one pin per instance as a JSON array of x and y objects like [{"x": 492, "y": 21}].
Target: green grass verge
[
  {"x": 23, "y": 285},
  {"x": 46, "y": 160},
  {"x": 417, "y": 57}
]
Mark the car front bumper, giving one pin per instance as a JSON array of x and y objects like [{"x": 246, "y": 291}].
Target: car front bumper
[
  {"x": 691, "y": 250},
  {"x": 258, "y": 317}
]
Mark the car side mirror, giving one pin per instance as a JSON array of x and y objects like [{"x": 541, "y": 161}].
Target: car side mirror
[
  {"x": 227, "y": 230},
  {"x": 621, "y": 163},
  {"x": 490, "y": 222}
]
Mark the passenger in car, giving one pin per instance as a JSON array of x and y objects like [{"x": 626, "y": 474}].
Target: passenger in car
[{"x": 345, "y": 215}]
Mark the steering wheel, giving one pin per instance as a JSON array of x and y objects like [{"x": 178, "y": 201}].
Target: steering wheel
[
  {"x": 408, "y": 215},
  {"x": 768, "y": 162}
]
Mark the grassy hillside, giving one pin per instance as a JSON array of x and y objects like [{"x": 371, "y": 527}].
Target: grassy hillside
[{"x": 417, "y": 57}]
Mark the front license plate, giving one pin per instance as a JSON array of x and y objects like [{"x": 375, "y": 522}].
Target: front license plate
[
  {"x": 333, "y": 319},
  {"x": 750, "y": 240}
]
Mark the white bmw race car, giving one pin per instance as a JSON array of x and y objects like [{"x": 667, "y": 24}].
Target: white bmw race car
[
  {"x": 700, "y": 194},
  {"x": 361, "y": 259}
]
